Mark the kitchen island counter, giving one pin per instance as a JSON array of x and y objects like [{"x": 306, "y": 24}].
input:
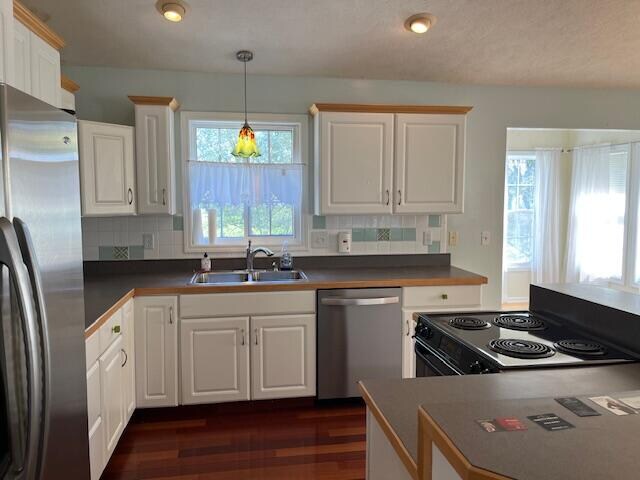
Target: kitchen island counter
[{"x": 450, "y": 406}]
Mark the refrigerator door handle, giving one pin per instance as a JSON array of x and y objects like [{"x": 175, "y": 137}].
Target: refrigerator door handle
[
  {"x": 11, "y": 258},
  {"x": 33, "y": 268}
]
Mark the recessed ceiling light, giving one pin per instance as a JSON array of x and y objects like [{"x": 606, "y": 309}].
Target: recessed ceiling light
[
  {"x": 420, "y": 22},
  {"x": 172, "y": 11}
]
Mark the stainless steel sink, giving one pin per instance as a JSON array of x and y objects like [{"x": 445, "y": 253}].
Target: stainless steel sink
[
  {"x": 212, "y": 278},
  {"x": 278, "y": 276}
]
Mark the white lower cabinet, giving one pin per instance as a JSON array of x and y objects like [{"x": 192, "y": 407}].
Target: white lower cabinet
[
  {"x": 283, "y": 356},
  {"x": 110, "y": 385},
  {"x": 112, "y": 393},
  {"x": 156, "y": 347},
  {"x": 215, "y": 360}
]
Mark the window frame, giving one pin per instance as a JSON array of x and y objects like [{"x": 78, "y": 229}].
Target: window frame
[
  {"x": 298, "y": 124},
  {"x": 522, "y": 266}
]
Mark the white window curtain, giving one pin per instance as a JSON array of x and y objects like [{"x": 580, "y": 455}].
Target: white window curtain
[
  {"x": 546, "y": 262},
  {"x": 215, "y": 184},
  {"x": 594, "y": 239}
]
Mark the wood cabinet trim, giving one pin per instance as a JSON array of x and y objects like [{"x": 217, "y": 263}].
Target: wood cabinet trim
[
  {"x": 170, "y": 102},
  {"x": 68, "y": 84},
  {"x": 429, "y": 434},
  {"x": 394, "y": 440},
  {"x": 37, "y": 26},
  {"x": 362, "y": 108}
]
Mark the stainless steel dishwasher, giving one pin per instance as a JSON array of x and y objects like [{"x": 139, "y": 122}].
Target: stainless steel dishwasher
[{"x": 359, "y": 337}]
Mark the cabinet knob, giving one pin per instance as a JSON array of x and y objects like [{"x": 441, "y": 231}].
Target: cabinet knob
[
  {"x": 115, "y": 329},
  {"x": 445, "y": 296}
]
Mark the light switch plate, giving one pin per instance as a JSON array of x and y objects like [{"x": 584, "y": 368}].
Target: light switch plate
[
  {"x": 319, "y": 239},
  {"x": 148, "y": 241},
  {"x": 453, "y": 238},
  {"x": 485, "y": 238}
]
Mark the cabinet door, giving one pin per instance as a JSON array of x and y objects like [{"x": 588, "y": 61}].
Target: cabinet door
[
  {"x": 408, "y": 353},
  {"x": 129, "y": 373},
  {"x": 215, "y": 359},
  {"x": 155, "y": 159},
  {"x": 45, "y": 71},
  {"x": 112, "y": 396},
  {"x": 156, "y": 351},
  {"x": 107, "y": 169},
  {"x": 6, "y": 41},
  {"x": 21, "y": 57},
  {"x": 429, "y": 164},
  {"x": 94, "y": 415},
  {"x": 355, "y": 158},
  {"x": 283, "y": 356}
]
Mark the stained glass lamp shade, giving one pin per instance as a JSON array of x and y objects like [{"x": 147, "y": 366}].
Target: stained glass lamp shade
[{"x": 246, "y": 146}]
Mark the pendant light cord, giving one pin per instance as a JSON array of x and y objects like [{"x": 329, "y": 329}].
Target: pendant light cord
[{"x": 245, "y": 92}]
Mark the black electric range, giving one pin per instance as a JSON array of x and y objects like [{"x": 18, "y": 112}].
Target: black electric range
[{"x": 491, "y": 342}]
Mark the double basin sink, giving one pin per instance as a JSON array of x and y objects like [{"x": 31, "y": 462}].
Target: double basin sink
[{"x": 245, "y": 276}]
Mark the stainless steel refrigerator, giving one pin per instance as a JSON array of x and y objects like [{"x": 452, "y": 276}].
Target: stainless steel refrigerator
[{"x": 43, "y": 406}]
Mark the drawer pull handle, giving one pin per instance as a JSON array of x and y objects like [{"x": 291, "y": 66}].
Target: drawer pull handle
[
  {"x": 388, "y": 196},
  {"x": 255, "y": 334},
  {"x": 399, "y": 197},
  {"x": 445, "y": 296},
  {"x": 130, "y": 196},
  {"x": 126, "y": 357},
  {"x": 242, "y": 330},
  {"x": 115, "y": 329},
  {"x": 170, "y": 315}
]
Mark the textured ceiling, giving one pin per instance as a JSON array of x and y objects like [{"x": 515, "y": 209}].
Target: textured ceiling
[{"x": 512, "y": 42}]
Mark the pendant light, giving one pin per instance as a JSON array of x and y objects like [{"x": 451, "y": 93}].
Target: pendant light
[{"x": 246, "y": 145}]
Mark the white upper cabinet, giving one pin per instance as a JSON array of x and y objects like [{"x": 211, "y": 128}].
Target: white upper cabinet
[
  {"x": 379, "y": 159},
  {"x": 6, "y": 41},
  {"x": 429, "y": 163},
  {"x": 33, "y": 55},
  {"x": 356, "y": 157},
  {"x": 107, "y": 169},
  {"x": 45, "y": 71},
  {"x": 155, "y": 154},
  {"x": 156, "y": 347},
  {"x": 21, "y": 57}
]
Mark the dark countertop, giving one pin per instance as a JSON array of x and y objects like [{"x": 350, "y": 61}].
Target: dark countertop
[
  {"x": 452, "y": 401},
  {"x": 104, "y": 290}
]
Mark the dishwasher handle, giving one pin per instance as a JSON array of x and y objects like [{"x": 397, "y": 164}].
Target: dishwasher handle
[{"x": 358, "y": 302}]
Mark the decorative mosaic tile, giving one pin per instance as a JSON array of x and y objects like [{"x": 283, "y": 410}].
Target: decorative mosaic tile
[
  {"x": 178, "y": 222},
  {"x": 319, "y": 222},
  {"x": 357, "y": 234},
  {"x": 105, "y": 253},
  {"x": 121, "y": 253},
  {"x": 395, "y": 235},
  {"x": 370, "y": 234},
  {"x": 408, "y": 234},
  {"x": 434, "y": 247},
  {"x": 434, "y": 220},
  {"x": 383, "y": 234},
  {"x": 136, "y": 252}
]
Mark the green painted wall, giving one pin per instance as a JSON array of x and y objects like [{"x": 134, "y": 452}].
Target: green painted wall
[{"x": 103, "y": 97}]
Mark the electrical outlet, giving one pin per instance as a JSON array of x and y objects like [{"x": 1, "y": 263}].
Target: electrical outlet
[
  {"x": 427, "y": 238},
  {"x": 148, "y": 241},
  {"x": 453, "y": 238},
  {"x": 485, "y": 238},
  {"x": 319, "y": 239}
]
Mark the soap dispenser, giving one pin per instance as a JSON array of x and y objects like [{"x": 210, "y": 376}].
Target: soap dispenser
[
  {"x": 205, "y": 263},
  {"x": 286, "y": 260}
]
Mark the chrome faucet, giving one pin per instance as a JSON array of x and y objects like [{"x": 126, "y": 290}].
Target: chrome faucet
[{"x": 251, "y": 254}]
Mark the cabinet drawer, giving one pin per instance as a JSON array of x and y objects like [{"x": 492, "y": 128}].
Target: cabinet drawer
[
  {"x": 238, "y": 304},
  {"x": 111, "y": 330},
  {"x": 92, "y": 349},
  {"x": 442, "y": 297}
]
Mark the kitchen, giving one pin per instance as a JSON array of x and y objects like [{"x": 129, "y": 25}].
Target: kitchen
[{"x": 191, "y": 373}]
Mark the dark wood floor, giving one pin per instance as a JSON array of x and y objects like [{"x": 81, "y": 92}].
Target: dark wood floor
[{"x": 260, "y": 440}]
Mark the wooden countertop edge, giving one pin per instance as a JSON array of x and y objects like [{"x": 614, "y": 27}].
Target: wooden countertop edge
[
  {"x": 395, "y": 441},
  {"x": 429, "y": 432},
  {"x": 273, "y": 287}
]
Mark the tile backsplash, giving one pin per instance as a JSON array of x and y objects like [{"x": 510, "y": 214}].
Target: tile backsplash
[{"x": 121, "y": 238}]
